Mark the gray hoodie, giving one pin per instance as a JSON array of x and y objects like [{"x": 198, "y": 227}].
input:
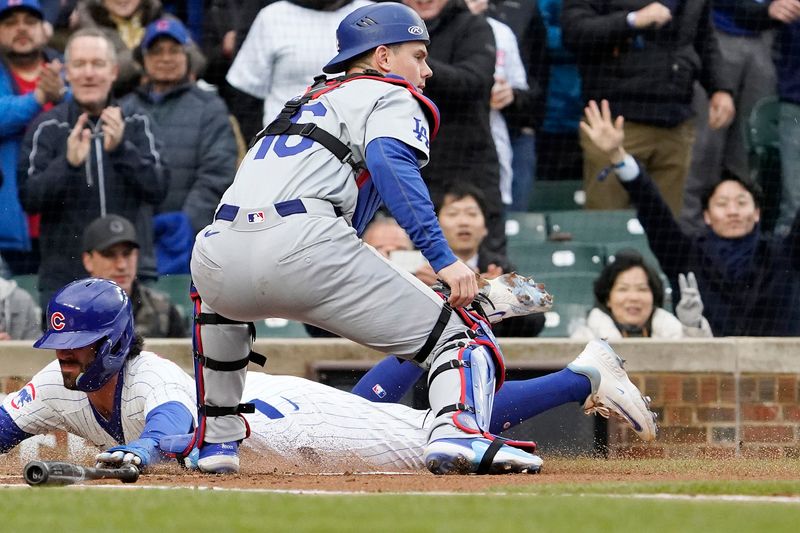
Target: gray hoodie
[{"x": 20, "y": 317}]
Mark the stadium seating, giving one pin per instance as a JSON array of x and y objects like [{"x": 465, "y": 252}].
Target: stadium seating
[
  {"x": 538, "y": 259},
  {"x": 556, "y": 195},
  {"x": 176, "y": 286},
  {"x": 573, "y": 298},
  {"x": 523, "y": 227},
  {"x": 30, "y": 283}
]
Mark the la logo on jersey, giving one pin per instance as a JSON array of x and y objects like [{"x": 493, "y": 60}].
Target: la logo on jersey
[
  {"x": 57, "y": 321},
  {"x": 256, "y": 217},
  {"x": 26, "y": 395},
  {"x": 421, "y": 132}
]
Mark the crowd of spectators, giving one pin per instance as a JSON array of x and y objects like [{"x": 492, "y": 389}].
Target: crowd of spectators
[{"x": 135, "y": 113}]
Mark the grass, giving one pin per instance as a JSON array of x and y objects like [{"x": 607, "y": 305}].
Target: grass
[{"x": 555, "y": 508}]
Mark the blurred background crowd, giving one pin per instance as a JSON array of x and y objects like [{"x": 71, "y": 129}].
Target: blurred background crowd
[{"x": 641, "y": 158}]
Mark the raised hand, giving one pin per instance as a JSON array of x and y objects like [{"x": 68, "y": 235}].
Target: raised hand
[
  {"x": 690, "y": 307},
  {"x": 606, "y": 134}
]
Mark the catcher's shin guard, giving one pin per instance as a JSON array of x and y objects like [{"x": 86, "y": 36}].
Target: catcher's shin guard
[
  {"x": 465, "y": 374},
  {"x": 222, "y": 350}
]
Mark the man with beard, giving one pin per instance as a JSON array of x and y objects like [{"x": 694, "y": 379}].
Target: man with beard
[{"x": 29, "y": 84}]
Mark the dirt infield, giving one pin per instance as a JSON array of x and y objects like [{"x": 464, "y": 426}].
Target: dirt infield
[{"x": 262, "y": 473}]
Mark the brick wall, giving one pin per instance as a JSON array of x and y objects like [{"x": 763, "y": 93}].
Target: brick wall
[{"x": 716, "y": 415}]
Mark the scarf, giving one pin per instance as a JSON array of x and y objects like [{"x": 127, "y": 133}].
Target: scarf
[
  {"x": 734, "y": 257},
  {"x": 130, "y": 30}
]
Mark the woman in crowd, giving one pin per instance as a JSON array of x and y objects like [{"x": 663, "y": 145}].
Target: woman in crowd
[{"x": 629, "y": 297}]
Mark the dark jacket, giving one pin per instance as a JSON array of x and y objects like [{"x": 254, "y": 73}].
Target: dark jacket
[
  {"x": 749, "y": 286},
  {"x": 646, "y": 75},
  {"x": 788, "y": 63},
  {"x": 195, "y": 131},
  {"x": 155, "y": 315},
  {"x": 462, "y": 57},
  {"x": 128, "y": 181}
]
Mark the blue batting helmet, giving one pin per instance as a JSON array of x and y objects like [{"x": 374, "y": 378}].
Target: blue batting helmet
[
  {"x": 371, "y": 26},
  {"x": 84, "y": 312}
]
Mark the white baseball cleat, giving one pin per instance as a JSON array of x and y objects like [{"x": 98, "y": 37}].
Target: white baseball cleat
[
  {"x": 464, "y": 456},
  {"x": 612, "y": 390},
  {"x": 513, "y": 295}
]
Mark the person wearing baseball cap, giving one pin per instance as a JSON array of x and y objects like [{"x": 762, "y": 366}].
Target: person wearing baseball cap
[
  {"x": 30, "y": 83},
  {"x": 194, "y": 126},
  {"x": 111, "y": 251}
]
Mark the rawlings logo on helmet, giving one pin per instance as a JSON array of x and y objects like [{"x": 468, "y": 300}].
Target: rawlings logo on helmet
[
  {"x": 415, "y": 30},
  {"x": 57, "y": 321}
]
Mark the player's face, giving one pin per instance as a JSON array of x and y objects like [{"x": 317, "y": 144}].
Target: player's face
[
  {"x": 732, "y": 212},
  {"x": 409, "y": 61},
  {"x": 91, "y": 71},
  {"x": 426, "y": 9},
  {"x": 74, "y": 362},
  {"x": 122, "y": 8},
  {"x": 463, "y": 225},
  {"x": 21, "y": 32},
  {"x": 117, "y": 263},
  {"x": 387, "y": 238},
  {"x": 166, "y": 61},
  {"x": 631, "y": 300}
]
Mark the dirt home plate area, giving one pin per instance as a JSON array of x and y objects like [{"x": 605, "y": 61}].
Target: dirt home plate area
[{"x": 272, "y": 473}]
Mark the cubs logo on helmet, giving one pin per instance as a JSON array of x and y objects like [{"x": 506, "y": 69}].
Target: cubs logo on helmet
[{"x": 57, "y": 321}]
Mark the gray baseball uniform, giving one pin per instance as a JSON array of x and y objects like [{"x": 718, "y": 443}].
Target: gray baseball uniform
[{"x": 285, "y": 243}]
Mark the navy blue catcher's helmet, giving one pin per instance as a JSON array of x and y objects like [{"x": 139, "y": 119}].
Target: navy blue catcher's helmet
[
  {"x": 84, "y": 312},
  {"x": 371, "y": 26}
]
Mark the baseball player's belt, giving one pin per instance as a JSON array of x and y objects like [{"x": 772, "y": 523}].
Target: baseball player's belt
[{"x": 313, "y": 206}]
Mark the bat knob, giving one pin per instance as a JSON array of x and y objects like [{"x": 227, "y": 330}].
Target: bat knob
[{"x": 35, "y": 473}]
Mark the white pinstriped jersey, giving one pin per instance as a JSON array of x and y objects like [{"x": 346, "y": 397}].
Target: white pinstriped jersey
[
  {"x": 280, "y": 168},
  {"x": 44, "y": 404},
  {"x": 295, "y": 418}
]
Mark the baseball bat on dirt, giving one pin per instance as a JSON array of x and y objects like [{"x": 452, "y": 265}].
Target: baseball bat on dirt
[{"x": 40, "y": 473}]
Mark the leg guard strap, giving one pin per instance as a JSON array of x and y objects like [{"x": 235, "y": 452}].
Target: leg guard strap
[
  {"x": 450, "y": 365},
  {"x": 456, "y": 407},
  {"x": 488, "y": 456},
  {"x": 211, "y": 410},
  {"x": 436, "y": 332},
  {"x": 230, "y": 366}
]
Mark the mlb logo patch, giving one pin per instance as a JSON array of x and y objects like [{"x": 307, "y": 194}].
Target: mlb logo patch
[
  {"x": 378, "y": 390},
  {"x": 256, "y": 217},
  {"x": 26, "y": 395}
]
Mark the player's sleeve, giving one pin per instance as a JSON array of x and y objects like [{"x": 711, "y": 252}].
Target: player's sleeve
[
  {"x": 398, "y": 115},
  {"x": 251, "y": 70},
  {"x": 27, "y": 407},
  {"x": 393, "y": 167},
  {"x": 10, "y": 433}
]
